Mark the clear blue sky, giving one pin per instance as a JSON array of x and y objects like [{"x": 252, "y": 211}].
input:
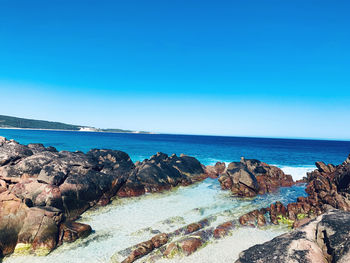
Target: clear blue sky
[{"x": 255, "y": 68}]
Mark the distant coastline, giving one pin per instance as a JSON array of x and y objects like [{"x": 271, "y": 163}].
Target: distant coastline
[
  {"x": 101, "y": 130},
  {"x": 10, "y": 122}
]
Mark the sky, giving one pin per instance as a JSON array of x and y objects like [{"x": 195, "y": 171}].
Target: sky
[{"x": 267, "y": 68}]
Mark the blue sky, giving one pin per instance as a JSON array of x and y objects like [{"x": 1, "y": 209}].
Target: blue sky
[{"x": 254, "y": 68}]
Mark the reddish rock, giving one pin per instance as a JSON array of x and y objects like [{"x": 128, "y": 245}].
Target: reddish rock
[
  {"x": 216, "y": 170},
  {"x": 171, "y": 249},
  {"x": 3, "y": 183},
  {"x": 226, "y": 182},
  {"x": 193, "y": 227},
  {"x": 71, "y": 231},
  {"x": 223, "y": 230},
  {"x": 141, "y": 250},
  {"x": 27, "y": 225},
  {"x": 251, "y": 177},
  {"x": 159, "y": 240},
  {"x": 301, "y": 222},
  {"x": 190, "y": 245},
  {"x": 253, "y": 218}
]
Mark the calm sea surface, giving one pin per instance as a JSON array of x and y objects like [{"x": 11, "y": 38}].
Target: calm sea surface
[{"x": 208, "y": 149}]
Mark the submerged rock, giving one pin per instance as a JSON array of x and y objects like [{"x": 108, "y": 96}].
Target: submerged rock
[{"x": 71, "y": 231}]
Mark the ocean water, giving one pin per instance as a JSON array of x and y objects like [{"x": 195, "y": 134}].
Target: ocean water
[
  {"x": 126, "y": 222},
  {"x": 207, "y": 149}
]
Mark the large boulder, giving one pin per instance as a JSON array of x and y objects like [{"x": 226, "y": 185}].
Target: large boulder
[
  {"x": 250, "y": 177},
  {"x": 325, "y": 239},
  {"x": 162, "y": 172},
  {"x": 26, "y": 229},
  {"x": 69, "y": 181}
]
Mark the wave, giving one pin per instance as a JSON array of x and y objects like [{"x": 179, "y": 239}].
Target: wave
[{"x": 297, "y": 172}]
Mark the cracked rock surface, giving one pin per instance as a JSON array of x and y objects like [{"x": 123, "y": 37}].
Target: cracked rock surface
[
  {"x": 324, "y": 239},
  {"x": 43, "y": 190}
]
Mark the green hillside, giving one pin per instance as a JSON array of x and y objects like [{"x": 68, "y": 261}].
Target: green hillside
[{"x": 14, "y": 122}]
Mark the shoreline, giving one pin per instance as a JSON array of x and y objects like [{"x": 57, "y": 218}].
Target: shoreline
[
  {"x": 87, "y": 131},
  {"x": 199, "y": 135}
]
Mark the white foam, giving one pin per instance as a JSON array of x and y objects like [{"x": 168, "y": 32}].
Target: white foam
[{"x": 297, "y": 172}]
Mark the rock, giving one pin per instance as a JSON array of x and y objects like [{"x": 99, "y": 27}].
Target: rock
[
  {"x": 141, "y": 250},
  {"x": 301, "y": 222},
  {"x": 328, "y": 187},
  {"x": 162, "y": 172},
  {"x": 159, "y": 240},
  {"x": 193, "y": 227},
  {"x": 11, "y": 152},
  {"x": 251, "y": 177},
  {"x": 10, "y": 226},
  {"x": 171, "y": 250},
  {"x": 43, "y": 190},
  {"x": 322, "y": 167},
  {"x": 3, "y": 183},
  {"x": 190, "y": 245},
  {"x": 326, "y": 237},
  {"x": 70, "y": 181},
  {"x": 216, "y": 170},
  {"x": 253, "y": 218},
  {"x": 71, "y": 231},
  {"x": 223, "y": 230},
  {"x": 27, "y": 229}
]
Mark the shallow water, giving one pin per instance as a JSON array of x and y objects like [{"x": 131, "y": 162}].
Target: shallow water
[{"x": 129, "y": 221}]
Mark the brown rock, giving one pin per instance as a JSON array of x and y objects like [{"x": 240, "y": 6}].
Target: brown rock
[
  {"x": 159, "y": 240},
  {"x": 301, "y": 222},
  {"x": 71, "y": 231},
  {"x": 193, "y": 227},
  {"x": 190, "y": 245},
  {"x": 223, "y": 230},
  {"x": 141, "y": 250},
  {"x": 251, "y": 177}
]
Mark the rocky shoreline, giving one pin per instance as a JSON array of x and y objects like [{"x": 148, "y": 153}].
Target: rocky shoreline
[{"x": 43, "y": 192}]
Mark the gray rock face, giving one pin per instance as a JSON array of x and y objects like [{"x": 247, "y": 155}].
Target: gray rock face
[
  {"x": 162, "y": 172},
  {"x": 324, "y": 239},
  {"x": 333, "y": 236},
  {"x": 69, "y": 181}
]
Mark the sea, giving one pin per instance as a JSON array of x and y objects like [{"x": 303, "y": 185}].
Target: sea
[{"x": 128, "y": 221}]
